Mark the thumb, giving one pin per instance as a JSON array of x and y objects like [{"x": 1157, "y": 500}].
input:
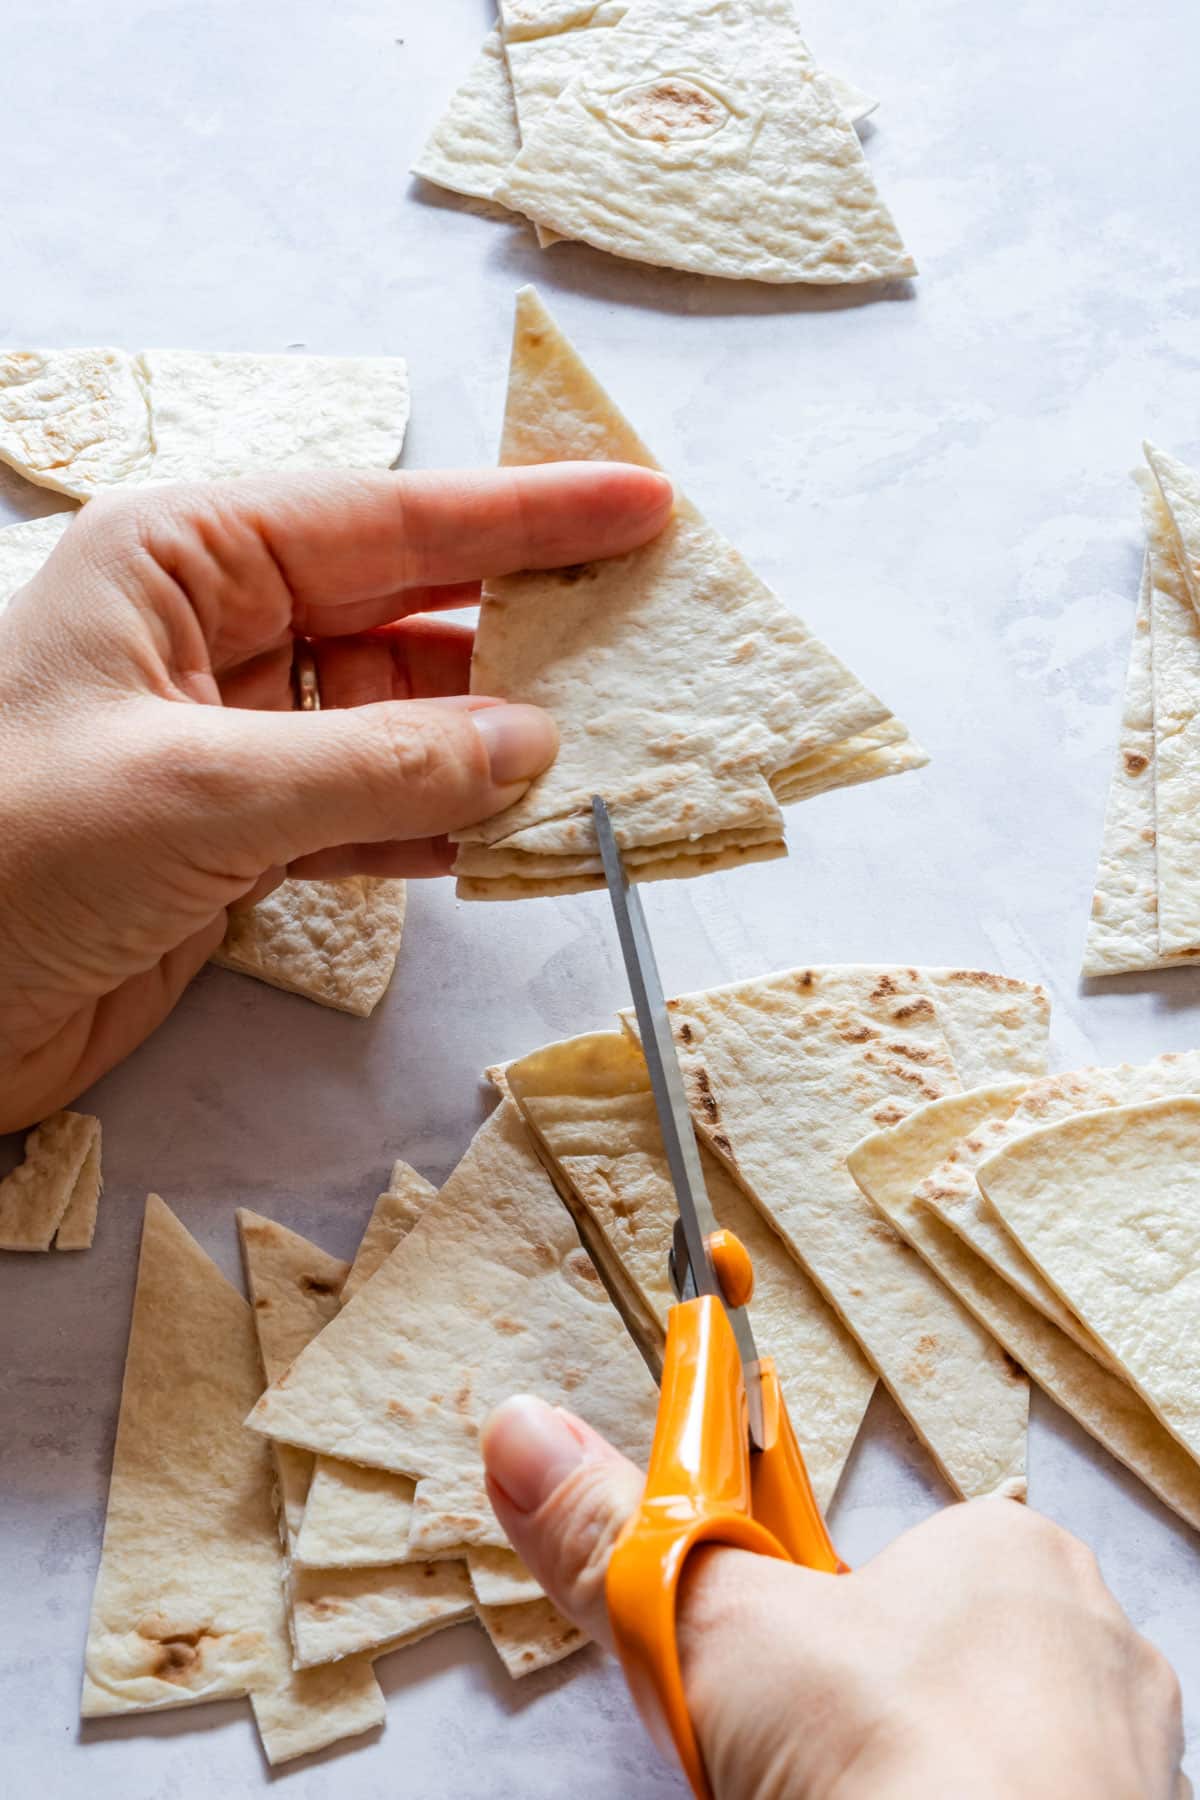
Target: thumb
[
  {"x": 273, "y": 787},
  {"x": 562, "y": 1494}
]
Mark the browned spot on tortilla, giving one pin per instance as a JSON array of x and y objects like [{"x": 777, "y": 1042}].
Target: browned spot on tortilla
[
  {"x": 262, "y": 1303},
  {"x": 921, "y": 1366},
  {"x": 508, "y": 1327},
  {"x": 1012, "y": 1367},
  {"x": 702, "y": 1081},
  {"x": 576, "y": 572},
  {"x": 857, "y": 1034},
  {"x": 723, "y": 1144},
  {"x": 396, "y": 1409},
  {"x": 916, "y": 1009},
  {"x": 710, "y": 1108},
  {"x": 891, "y": 1114},
  {"x": 543, "y": 1254},
  {"x": 685, "y": 1032},
  {"x": 327, "y": 1608},
  {"x": 668, "y": 108},
  {"x": 885, "y": 988},
  {"x": 312, "y": 1284},
  {"x": 918, "y": 1053},
  {"x": 1149, "y": 835},
  {"x": 462, "y": 1399},
  {"x": 178, "y": 1654},
  {"x": 1135, "y": 762},
  {"x": 804, "y": 979}
]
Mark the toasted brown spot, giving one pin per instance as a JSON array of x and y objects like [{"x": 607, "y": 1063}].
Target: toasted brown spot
[
  {"x": 710, "y": 1107},
  {"x": 262, "y": 1304},
  {"x": 396, "y": 1409},
  {"x": 723, "y": 1144},
  {"x": 885, "y": 988},
  {"x": 1149, "y": 835},
  {"x": 1135, "y": 762},
  {"x": 916, "y": 1009},
  {"x": 1012, "y": 1368},
  {"x": 312, "y": 1284},
  {"x": 327, "y": 1608},
  {"x": 685, "y": 1032},
  {"x": 462, "y": 1399},
  {"x": 179, "y": 1653},
  {"x": 576, "y": 572},
  {"x": 702, "y": 1081},
  {"x": 544, "y": 1254},
  {"x": 857, "y": 1034},
  {"x": 669, "y": 108},
  {"x": 508, "y": 1327}
]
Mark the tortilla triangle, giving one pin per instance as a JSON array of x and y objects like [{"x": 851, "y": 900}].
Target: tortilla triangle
[
  {"x": 893, "y": 1167},
  {"x": 589, "y": 1102},
  {"x": 1180, "y": 490},
  {"x": 294, "y": 1289},
  {"x": 683, "y": 689},
  {"x": 784, "y": 1075},
  {"x": 188, "y": 1604},
  {"x": 56, "y": 1186},
  {"x": 1126, "y": 1259},
  {"x": 704, "y": 138}
]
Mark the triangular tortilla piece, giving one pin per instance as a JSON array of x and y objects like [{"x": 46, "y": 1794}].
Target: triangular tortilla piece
[
  {"x": 1123, "y": 929},
  {"x": 953, "y": 1191},
  {"x": 1180, "y": 490},
  {"x": 80, "y": 421},
  {"x": 705, "y": 138},
  {"x": 683, "y": 744},
  {"x": 396, "y": 1212},
  {"x": 335, "y": 942},
  {"x": 1108, "y": 1206},
  {"x": 530, "y": 1637},
  {"x": 476, "y": 137},
  {"x": 77, "y": 1226},
  {"x": 890, "y": 1167},
  {"x": 294, "y": 1288},
  {"x": 36, "y": 1198},
  {"x": 1175, "y": 660},
  {"x": 490, "y": 1294},
  {"x": 784, "y": 1075},
  {"x": 24, "y": 547},
  {"x": 188, "y": 1604},
  {"x": 589, "y": 1102}
]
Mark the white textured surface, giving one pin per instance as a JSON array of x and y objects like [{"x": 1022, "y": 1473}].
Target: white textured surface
[{"x": 942, "y": 477}]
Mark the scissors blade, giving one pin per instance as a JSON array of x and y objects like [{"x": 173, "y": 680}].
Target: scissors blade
[{"x": 696, "y": 1217}]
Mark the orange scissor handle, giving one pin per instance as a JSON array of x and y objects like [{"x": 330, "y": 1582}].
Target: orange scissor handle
[{"x": 700, "y": 1490}]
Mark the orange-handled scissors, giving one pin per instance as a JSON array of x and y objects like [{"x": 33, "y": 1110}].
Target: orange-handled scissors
[{"x": 725, "y": 1467}]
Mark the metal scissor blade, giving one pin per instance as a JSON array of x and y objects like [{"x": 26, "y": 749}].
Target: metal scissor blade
[{"x": 696, "y": 1215}]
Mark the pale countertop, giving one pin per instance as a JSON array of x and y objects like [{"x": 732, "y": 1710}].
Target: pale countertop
[{"x": 937, "y": 481}]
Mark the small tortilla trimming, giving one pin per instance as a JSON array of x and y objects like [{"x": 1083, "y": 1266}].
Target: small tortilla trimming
[
  {"x": 1175, "y": 662},
  {"x": 891, "y": 1167},
  {"x": 188, "y": 1604},
  {"x": 1108, "y": 1206},
  {"x": 55, "y": 1188},
  {"x": 335, "y": 942}
]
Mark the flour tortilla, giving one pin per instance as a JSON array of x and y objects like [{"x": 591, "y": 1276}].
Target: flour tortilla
[
  {"x": 80, "y": 421},
  {"x": 702, "y": 136},
  {"x": 1180, "y": 490},
  {"x": 953, "y": 1193},
  {"x": 1108, "y": 1206},
  {"x": 529, "y": 1638},
  {"x": 1175, "y": 629},
  {"x": 188, "y": 1604},
  {"x": 684, "y": 744},
  {"x": 1123, "y": 929},
  {"x": 784, "y": 1075},
  {"x": 589, "y": 1102},
  {"x": 395, "y": 1213},
  {"x": 891, "y": 1167},
  {"x": 294, "y": 1288},
  {"x": 39, "y": 1198},
  {"x": 335, "y": 942},
  {"x": 476, "y": 137},
  {"x": 490, "y": 1294},
  {"x": 24, "y": 547}
]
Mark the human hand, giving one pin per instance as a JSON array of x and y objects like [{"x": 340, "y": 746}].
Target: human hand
[
  {"x": 980, "y": 1654},
  {"x": 154, "y": 772}
]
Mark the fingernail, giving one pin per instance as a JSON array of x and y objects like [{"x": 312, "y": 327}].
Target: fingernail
[
  {"x": 528, "y": 1449},
  {"x": 520, "y": 741}
]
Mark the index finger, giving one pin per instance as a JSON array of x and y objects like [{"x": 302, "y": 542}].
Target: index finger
[{"x": 349, "y": 546}]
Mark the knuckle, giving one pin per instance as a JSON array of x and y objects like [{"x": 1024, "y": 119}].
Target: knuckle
[{"x": 581, "y": 1521}]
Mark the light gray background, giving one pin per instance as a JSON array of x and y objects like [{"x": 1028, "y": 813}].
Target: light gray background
[{"x": 937, "y": 480}]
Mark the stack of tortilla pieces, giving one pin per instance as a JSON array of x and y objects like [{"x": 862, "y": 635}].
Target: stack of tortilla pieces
[
  {"x": 81, "y": 422},
  {"x": 684, "y": 690},
  {"x": 1146, "y": 909},
  {"x": 53, "y": 1195},
  {"x": 923, "y": 1206},
  {"x": 693, "y": 134}
]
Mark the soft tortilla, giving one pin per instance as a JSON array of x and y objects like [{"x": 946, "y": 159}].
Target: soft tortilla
[
  {"x": 784, "y": 1075},
  {"x": 890, "y": 1167},
  {"x": 700, "y": 134},
  {"x": 294, "y": 1289},
  {"x": 80, "y": 421},
  {"x": 1108, "y": 1206},
  {"x": 1175, "y": 654},
  {"x": 1180, "y": 490},
  {"x": 56, "y": 1187},
  {"x": 952, "y": 1190},
  {"x": 683, "y": 743},
  {"x": 24, "y": 547},
  {"x": 490, "y": 1294},
  {"x": 335, "y": 942},
  {"x": 1123, "y": 929},
  {"x": 396, "y": 1211},
  {"x": 588, "y": 1100},
  {"x": 476, "y": 137},
  {"x": 188, "y": 1604}
]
